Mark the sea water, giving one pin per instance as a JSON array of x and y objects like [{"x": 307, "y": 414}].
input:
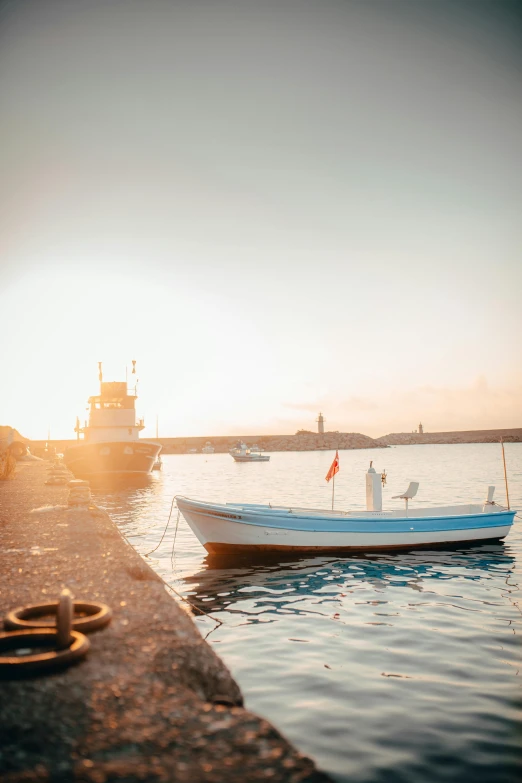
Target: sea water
[{"x": 391, "y": 667}]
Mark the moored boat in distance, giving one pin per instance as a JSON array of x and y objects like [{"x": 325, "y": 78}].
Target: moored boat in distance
[
  {"x": 208, "y": 448},
  {"x": 111, "y": 443},
  {"x": 245, "y": 527},
  {"x": 241, "y": 453}
]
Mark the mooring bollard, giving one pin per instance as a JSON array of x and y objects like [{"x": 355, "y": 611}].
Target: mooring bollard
[
  {"x": 58, "y": 475},
  {"x": 64, "y": 619},
  {"x": 79, "y": 493}
]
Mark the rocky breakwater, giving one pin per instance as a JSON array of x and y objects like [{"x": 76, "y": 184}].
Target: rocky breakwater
[
  {"x": 302, "y": 441},
  {"x": 151, "y": 701},
  {"x": 464, "y": 436},
  {"x": 311, "y": 441}
]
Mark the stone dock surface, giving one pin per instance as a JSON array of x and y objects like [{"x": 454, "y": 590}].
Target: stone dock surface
[{"x": 151, "y": 701}]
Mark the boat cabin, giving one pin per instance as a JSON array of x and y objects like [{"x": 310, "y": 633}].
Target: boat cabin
[{"x": 112, "y": 415}]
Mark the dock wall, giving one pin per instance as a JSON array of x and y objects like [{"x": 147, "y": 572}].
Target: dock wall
[{"x": 152, "y": 701}]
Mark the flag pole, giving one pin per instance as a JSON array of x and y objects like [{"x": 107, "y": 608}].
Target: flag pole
[
  {"x": 505, "y": 471},
  {"x": 333, "y": 490}
]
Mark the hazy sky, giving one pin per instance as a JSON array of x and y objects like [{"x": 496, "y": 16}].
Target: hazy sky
[{"x": 275, "y": 207}]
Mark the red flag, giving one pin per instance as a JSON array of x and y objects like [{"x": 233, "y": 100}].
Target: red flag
[{"x": 334, "y": 467}]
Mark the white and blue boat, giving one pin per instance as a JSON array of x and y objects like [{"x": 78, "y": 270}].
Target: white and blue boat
[
  {"x": 244, "y": 527},
  {"x": 241, "y": 453}
]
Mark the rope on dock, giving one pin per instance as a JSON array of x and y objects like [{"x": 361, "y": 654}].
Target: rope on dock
[
  {"x": 169, "y": 586},
  {"x": 192, "y": 606}
]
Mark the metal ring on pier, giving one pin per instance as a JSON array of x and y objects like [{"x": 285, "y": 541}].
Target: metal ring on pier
[
  {"x": 64, "y": 619},
  {"x": 97, "y": 615},
  {"x": 34, "y": 663}
]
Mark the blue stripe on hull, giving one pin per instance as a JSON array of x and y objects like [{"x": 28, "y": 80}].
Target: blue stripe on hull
[{"x": 350, "y": 525}]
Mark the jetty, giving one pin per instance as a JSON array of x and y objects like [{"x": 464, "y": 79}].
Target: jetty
[
  {"x": 151, "y": 701},
  {"x": 301, "y": 441},
  {"x": 513, "y": 435}
]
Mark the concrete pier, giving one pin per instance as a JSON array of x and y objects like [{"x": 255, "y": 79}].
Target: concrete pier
[{"x": 151, "y": 701}]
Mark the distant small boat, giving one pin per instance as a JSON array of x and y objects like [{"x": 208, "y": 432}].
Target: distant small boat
[
  {"x": 247, "y": 527},
  {"x": 241, "y": 453},
  {"x": 192, "y": 451},
  {"x": 208, "y": 448}
]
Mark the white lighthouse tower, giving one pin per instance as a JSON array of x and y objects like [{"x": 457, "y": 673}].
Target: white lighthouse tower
[{"x": 320, "y": 424}]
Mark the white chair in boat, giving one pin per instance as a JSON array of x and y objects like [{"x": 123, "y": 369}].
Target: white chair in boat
[{"x": 409, "y": 494}]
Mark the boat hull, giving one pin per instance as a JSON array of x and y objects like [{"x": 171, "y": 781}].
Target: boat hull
[
  {"x": 228, "y": 530},
  {"x": 111, "y": 458},
  {"x": 250, "y": 458}
]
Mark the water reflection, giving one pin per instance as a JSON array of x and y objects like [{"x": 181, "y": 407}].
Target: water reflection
[
  {"x": 127, "y": 498},
  {"x": 224, "y": 582},
  {"x": 375, "y": 665},
  {"x": 121, "y": 482}
]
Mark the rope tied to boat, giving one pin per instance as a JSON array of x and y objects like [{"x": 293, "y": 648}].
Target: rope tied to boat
[
  {"x": 166, "y": 527},
  {"x": 179, "y": 595}
]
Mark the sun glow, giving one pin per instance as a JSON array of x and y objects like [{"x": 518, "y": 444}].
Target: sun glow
[{"x": 188, "y": 349}]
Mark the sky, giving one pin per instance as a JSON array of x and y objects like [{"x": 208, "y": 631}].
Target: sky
[{"x": 276, "y": 208}]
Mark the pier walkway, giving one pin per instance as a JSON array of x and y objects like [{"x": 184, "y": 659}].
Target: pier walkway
[{"x": 152, "y": 701}]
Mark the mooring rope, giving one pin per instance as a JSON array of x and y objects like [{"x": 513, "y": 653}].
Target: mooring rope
[
  {"x": 178, "y": 595},
  {"x": 182, "y": 598},
  {"x": 166, "y": 526},
  {"x": 174, "y": 542},
  {"x": 504, "y": 508}
]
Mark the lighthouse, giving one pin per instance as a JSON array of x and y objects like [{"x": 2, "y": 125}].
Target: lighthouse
[{"x": 320, "y": 424}]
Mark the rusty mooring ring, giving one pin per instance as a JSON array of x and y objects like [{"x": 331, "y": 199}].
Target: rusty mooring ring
[
  {"x": 41, "y": 661},
  {"x": 27, "y": 617}
]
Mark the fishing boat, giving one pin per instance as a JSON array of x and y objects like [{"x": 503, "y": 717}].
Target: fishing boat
[
  {"x": 208, "y": 448},
  {"x": 111, "y": 443},
  {"x": 241, "y": 453},
  {"x": 245, "y": 527}
]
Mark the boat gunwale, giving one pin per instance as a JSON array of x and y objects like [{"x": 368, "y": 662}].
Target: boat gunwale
[{"x": 219, "y": 511}]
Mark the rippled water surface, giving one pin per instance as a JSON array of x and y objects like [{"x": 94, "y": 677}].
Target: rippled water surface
[{"x": 398, "y": 667}]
